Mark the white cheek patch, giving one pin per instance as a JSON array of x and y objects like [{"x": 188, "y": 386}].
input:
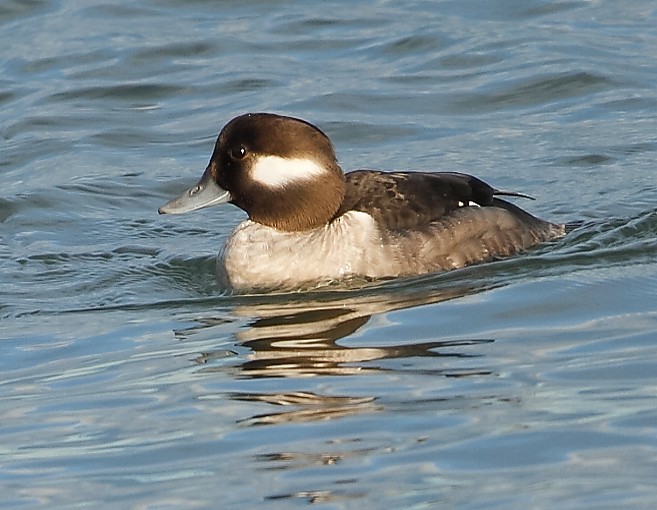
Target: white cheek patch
[
  {"x": 470, "y": 204},
  {"x": 278, "y": 172}
]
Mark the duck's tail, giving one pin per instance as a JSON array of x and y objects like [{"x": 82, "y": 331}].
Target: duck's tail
[{"x": 501, "y": 192}]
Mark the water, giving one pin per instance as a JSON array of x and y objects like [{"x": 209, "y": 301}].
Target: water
[{"x": 129, "y": 381}]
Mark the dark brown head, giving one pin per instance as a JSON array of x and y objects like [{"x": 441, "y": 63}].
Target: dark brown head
[{"x": 282, "y": 171}]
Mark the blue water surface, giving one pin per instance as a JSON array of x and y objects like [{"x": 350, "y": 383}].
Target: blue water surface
[{"x": 128, "y": 380}]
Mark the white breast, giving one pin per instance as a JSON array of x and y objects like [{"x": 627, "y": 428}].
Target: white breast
[{"x": 256, "y": 256}]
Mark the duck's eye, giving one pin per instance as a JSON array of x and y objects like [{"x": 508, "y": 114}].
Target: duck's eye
[{"x": 238, "y": 152}]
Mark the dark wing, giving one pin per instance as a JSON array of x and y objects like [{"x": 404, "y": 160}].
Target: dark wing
[{"x": 403, "y": 200}]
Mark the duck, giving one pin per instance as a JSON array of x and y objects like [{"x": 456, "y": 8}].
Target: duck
[{"x": 311, "y": 224}]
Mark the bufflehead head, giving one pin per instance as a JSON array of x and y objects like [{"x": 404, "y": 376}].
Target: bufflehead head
[{"x": 281, "y": 170}]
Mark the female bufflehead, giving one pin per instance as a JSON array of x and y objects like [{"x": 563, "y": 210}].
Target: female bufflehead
[{"x": 310, "y": 224}]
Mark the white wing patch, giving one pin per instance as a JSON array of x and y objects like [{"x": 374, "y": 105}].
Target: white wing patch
[
  {"x": 278, "y": 172},
  {"x": 470, "y": 204}
]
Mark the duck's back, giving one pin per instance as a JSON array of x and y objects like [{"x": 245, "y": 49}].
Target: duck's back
[{"x": 443, "y": 221}]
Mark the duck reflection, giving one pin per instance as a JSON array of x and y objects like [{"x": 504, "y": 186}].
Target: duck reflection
[
  {"x": 307, "y": 407},
  {"x": 309, "y": 335}
]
